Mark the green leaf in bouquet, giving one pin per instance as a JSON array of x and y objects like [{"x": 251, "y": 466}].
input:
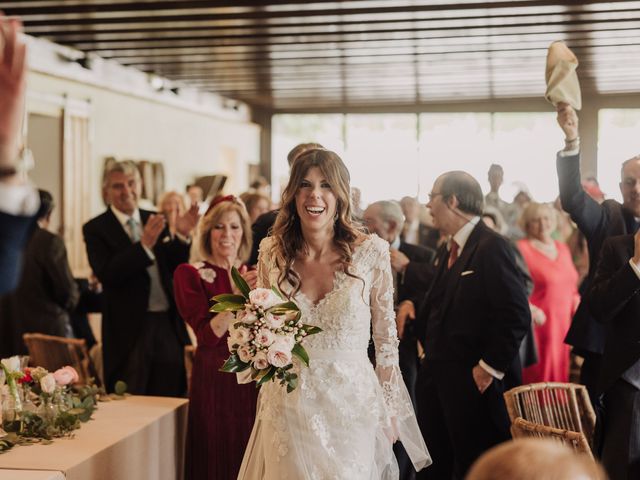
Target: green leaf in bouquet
[
  {"x": 226, "y": 307},
  {"x": 267, "y": 376},
  {"x": 299, "y": 351},
  {"x": 283, "y": 308},
  {"x": 234, "y": 365},
  {"x": 292, "y": 383},
  {"x": 277, "y": 292},
  {"x": 311, "y": 329},
  {"x": 240, "y": 282},
  {"x": 229, "y": 298}
]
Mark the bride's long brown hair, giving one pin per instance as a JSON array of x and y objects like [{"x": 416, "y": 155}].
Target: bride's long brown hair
[{"x": 287, "y": 232}]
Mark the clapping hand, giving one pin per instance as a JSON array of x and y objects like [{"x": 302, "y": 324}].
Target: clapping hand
[
  {"x": 250, "y": 276},
  {"x": 152, "y": 230},
  {"x": 12, "y": 88},
  {"x": 568, "y": 121},
  {"x": 186, "y": 222},
  {"x": 636, "y": 252}
]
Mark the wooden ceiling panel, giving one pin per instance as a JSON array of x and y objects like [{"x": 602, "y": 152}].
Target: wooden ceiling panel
[{"x": 293, "y": 54}]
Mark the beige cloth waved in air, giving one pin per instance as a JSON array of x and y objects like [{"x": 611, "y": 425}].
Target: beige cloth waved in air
[{"x": 561, "y": 77}]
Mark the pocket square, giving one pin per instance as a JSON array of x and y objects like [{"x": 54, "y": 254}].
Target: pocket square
[{"x": 468, "y": 272}]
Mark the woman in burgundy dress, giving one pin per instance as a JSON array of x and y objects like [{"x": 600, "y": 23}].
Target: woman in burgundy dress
[
  {"x": 221, "y": 412},
  {"x": 554, "y": 297}
]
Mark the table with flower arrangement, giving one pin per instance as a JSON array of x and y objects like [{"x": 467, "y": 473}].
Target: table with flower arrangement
[{"x": 135, "y": 438}]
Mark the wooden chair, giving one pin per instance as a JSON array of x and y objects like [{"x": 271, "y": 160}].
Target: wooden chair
[
  {"x": 53, "y": 353},
  {"x": 560, "y": 406},
  {"x": 576, "y": 440},
  {"x": 189, "y": 354}
]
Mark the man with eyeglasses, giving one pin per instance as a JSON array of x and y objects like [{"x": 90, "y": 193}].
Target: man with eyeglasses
[
  {"x": 471, "y": 324},
  {"x": 597, "y": 222}
]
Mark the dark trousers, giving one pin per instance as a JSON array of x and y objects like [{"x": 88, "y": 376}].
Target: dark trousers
[
  {"x": 589, "y": 373},
  {"x": 156, "y": 364},
  {"x": 621, "y": 433},
  {"x": 409, "y": 363},
  {"x": 457, "y": 421}
]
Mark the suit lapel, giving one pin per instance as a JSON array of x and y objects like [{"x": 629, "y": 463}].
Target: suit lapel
[
  {"x": 453, "y": 277},
  {"x": 120, "y": 236}
]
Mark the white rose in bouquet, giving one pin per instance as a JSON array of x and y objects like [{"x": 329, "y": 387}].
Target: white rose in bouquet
[
  {"x": 260, "y": 361},
  {"x": 265, "y": 337},
  {"x": 249, "y": 316},
  {"x": 279, "y": 355},
  {"x": 286, "y": 342},
  {"x": 239, "y": 335},
  {"x": 264, "y": 297},
  {"x": 48, "y": 383},
  {"x": 12, "y": 364},
  {"x": 244, "y": 353},
  {"x": 274, "y": 321}
]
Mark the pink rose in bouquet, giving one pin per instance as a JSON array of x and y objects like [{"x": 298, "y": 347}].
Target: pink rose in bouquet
[{"x": 264, "y": 298}]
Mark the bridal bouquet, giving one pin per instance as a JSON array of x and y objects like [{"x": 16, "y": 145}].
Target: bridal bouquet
[{"x": 266, "y": 335}]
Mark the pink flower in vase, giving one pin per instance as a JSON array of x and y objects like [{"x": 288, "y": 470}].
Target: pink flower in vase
[{"x": 66, "y": 375}]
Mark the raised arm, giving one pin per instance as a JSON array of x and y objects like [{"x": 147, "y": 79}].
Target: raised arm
[{"x": 584, "y": 210}]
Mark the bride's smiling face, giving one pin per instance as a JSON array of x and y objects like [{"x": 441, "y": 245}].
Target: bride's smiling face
[{"x": 315, "y": 201}]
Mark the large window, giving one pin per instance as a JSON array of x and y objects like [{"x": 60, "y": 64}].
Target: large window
[
  {"x": 392, "y": 155},
  {"x": 617, "y": 142}
]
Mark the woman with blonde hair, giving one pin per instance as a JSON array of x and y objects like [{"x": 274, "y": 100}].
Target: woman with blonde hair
[
  {"x": 342, "y": 419},
  {"x": 172, "y": 205},
  {"x": 221, "y": 412},
  {"x": 555, "y": 293}
]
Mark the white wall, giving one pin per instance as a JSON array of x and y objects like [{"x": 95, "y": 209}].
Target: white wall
[{"x": 190, "y": 138}]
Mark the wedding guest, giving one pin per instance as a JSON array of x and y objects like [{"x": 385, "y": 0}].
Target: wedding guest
[
  {"x": 142, "y": 337},
  {"x": 534, "y": 459},
  {"x": 414, "y": 231},
  {"x": 492, "y": 199},
  {"x": 221, "y": 412},
  {"x": 257, "y": 204},
  {"x": 47, "y": 292},
  {"x": 596, "y": 221},
  {"x": 195, "y": 195},
  {"x": 555, "y": 293},
  {"x": 172, "y": 205}
]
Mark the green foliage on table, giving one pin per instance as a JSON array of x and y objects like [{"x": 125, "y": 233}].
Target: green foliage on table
[{"x": 54, "y": 416}]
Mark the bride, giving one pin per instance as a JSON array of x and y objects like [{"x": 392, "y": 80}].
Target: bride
[{"x": 342, "y": 420}]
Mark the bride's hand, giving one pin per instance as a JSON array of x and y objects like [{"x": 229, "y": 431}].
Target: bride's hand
[{"x": 220, "y": 323}]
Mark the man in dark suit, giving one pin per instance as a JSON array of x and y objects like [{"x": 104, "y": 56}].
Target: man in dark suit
[
  {"x": 412, "y": 267},
  {"x": 18, "y": 199},
  {"x": 133, "y": 255},
  {"x": 597, "y": 222},
  {"x": 472, "y": 321},
  {"x": 47, "y": 292},
  {"x": 614, "y": 300}
]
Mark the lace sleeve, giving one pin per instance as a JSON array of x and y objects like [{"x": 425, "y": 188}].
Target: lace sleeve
[
  {"x": 264, "y": 265},
  {"x": 396, "y": 397}
]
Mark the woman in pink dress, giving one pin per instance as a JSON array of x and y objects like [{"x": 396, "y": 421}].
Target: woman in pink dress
[
  {"x": 221, "y": 412},
  {"x": 554, "y": 297}
]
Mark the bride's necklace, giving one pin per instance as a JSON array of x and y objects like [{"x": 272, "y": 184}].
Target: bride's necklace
[{"x": 548, "y": 249}]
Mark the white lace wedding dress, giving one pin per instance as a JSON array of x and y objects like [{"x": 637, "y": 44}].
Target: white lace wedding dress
[{"x": 338, "y": 423}]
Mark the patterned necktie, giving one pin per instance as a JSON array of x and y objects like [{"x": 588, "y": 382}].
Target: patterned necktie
[
  {"x": 133, "y": 230},
  {"x": 453, "y": 254}
]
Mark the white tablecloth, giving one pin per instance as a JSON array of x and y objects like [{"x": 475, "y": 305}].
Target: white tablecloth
[{"x": 139, "y": 438}]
